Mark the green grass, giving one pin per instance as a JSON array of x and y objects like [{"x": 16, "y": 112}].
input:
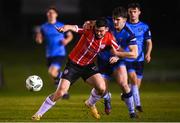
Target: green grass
[
  {"x": 160, "y": 99},
  {"x": 159, "y": 104}
]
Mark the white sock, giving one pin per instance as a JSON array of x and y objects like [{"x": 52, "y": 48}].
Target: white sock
[
  {"x": 136, "y": 96},
  {"x": 107, "y": 95},
  {"x": 47, "y": 104},
  {"x": 93, "y": 98},
  {"x": 128, "y": 98}
]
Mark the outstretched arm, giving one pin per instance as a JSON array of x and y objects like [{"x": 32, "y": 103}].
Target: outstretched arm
[
  {"x": 133, "y": 53},
  {"x": 66, "y": 28}
]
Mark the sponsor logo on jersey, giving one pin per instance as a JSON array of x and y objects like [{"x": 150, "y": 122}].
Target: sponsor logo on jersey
[
  {"x": 66, "y": 71},
  {"x": 94, "y": 68}
]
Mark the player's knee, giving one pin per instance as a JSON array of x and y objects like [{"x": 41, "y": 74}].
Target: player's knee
[
  {"x": 53, "y": 73},
  {"x": 101, "y": 90},
  {"x": 122, "y": 81},
  {"x": 124, "y": 85},
  {"x": 58, "y": 95},
  {"x": 133, "y": 79}
]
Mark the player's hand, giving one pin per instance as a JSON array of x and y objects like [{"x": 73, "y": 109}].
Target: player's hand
[
  {"x": 39, "y": 38},
  {"x": 65, "y": 42},
  {"x": 113, "y": 59},
  {"x": 147, "y": 58},
  {"x": 64, "y": 28},
  {"x": 114, "y": 51},
  {"x": 88, "y": 25}
]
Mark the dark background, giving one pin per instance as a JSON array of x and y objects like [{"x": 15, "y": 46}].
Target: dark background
[{"x": 18, "y": 17}]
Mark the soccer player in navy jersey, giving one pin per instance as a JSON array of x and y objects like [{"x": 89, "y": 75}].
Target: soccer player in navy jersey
[
  {"x": 127, "y": 41},
  {"x": 143, "y": 35},
  {"x": 55, "y": 43}
]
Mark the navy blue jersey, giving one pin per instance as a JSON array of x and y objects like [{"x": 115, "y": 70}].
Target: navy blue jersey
[
  {"x": 124, "y": 39},
  {"x": 53, "y": 39},
  {"x": 142, "y": 33}
]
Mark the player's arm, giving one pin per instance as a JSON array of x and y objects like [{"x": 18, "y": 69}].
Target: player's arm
[
  {"x": 66, "y": 28},
  {"x": 68, "y": 38},
  {"x": 133, "y": 53},
  {"x": 148, "y": 50},
  {"x": 148, "y": 39},
  {"x": 38, "y": 35}
]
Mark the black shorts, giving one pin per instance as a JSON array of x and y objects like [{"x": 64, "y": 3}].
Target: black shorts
[
  {"x": 73, "y": 71},
  {"x": 56, "y": 61}
]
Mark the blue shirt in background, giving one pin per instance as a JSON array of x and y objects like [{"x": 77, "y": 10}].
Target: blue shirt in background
[{"x": 53, "y": 39}]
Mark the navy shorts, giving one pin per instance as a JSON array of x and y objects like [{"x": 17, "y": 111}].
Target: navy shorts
[
  {"x": 137, "y": 67},
  {"x": 56, "y": 61},
  {"x": 106, "y": 69}
]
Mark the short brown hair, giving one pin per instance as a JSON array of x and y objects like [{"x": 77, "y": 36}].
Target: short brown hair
[
  {"x": 120, "y": 12},
  {"x": 52, "y": 8}
]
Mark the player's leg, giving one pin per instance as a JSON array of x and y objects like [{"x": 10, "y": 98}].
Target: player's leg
[
  {"x": 55, "y": 64},
  {"x": 55, "y": 70},
  {"x": 120, "y": 74},
  {"x": 99, "y": 88},
  {"x": 107, "y": 95},
  {"x": 106, "y": 71},
  {"x": 70, "y": 75},
  {"x": 134, "y": 84},
  {"x": 139, "y": 81},
  {"x": 135, "y": 90},
  {"x": 50, "y": 101},
  {"x": 139, "y": 71}
]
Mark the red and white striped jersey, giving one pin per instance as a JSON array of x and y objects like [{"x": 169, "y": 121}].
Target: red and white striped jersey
[{"x": 88, "y": 47}]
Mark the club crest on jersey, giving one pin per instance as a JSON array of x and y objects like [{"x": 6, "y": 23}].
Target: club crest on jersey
[
  {"x": 140, "y": 29},
  {"x": 102, "y": 46},
  {"x": 120, "y": 39}
]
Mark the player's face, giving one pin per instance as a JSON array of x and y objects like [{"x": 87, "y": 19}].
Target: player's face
[
  {"x": 100, "y": 31},
  {"x": 52, "y": 15},
  {"x": 119, "y": 22},
  {"x": 134, "y": 13}
]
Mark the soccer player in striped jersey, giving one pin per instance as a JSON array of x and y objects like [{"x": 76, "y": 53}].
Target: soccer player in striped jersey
[
  {"x": 81, "y": 64},
  {"x": 143, "y": 36}
]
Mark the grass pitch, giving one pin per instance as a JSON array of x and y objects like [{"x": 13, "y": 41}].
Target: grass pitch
[
  {"x": 159, "y": 104},
  {"x": 160, "y": 100}
]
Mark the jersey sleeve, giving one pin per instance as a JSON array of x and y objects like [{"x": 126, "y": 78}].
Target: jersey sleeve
[
  {"x": 147, "y": 34},
  {"x": 80, "y": 30},
  {"x": 132, "y": 40},
  {"x": 112, "y": 42}
]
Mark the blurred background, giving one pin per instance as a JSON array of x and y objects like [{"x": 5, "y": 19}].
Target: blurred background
[{"x": 19, "y": 52}]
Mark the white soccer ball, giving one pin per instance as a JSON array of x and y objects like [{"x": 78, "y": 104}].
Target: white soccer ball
[{"x": 34, "y": 83}]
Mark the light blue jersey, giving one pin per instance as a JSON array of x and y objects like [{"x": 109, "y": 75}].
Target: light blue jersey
[
  {"x": 53, "y": 39},
  {"x": 142, "y": 33}
]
